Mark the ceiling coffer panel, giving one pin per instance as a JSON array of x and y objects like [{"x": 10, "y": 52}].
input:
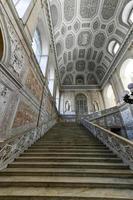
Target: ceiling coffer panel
[{"x": 82, "y": 32}]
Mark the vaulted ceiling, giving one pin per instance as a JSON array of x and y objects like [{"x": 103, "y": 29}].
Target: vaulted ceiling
[{"x": 82, "y": 31}]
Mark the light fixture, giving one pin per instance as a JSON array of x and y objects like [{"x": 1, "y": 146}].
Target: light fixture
[{"x": 128, "y": 98}]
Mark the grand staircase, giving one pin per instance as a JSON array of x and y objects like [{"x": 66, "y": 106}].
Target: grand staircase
[{"x": 68, "y": 163}]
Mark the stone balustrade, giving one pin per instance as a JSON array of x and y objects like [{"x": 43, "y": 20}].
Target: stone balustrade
[{"x": 119, "y": 145}]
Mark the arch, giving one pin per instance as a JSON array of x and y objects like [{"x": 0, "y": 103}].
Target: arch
[
  {"x": 21, "y": 6},
  {"x": 113, "y": 46},
  {"x": 1, "y": 45},
  {"x": 109, "y": 96},
  {"x": 127, "y": 14},
  {"x": 40, "y": 45},
  {"x": 126, "y": 72},
  {"x": 81, "y": 104}
]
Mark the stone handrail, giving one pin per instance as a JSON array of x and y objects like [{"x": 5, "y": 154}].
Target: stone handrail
[
  {"x": 119, "y": 145},
  {"x": 14, "y": 146}
]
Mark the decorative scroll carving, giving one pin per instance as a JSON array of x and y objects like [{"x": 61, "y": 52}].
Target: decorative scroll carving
[
  {"x": 4, "y": 99},
  {"x": 99, "y": 40},
  {"x": 17, "y": 62},
  {"x": 88, "y": 8},
  {"x": 69, "y": 9},
  {"x": 91, "y": 66},
  {"x": 109, "y": 8},
  {"x": 69, "y": 41},
  {"x": 80, "y": 65},
  {"x": 84, "y": 38},
  {"x": 69, "y": 67}
]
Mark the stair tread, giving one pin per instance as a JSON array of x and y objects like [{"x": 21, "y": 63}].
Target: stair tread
[{"x": 67, "y": 192}]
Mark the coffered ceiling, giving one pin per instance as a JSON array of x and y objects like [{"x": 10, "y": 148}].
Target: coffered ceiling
[{"x": 83, "y": 30}]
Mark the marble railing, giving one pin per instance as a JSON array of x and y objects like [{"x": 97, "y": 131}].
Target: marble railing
[
  {"x": 119, "y": 145},
  {"x": 13, "y": 147}
]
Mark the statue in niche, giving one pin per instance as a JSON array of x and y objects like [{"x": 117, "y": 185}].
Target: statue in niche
[{"x": 67, "y": 106}]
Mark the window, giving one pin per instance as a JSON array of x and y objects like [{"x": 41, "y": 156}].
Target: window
[
  {"x": 127, "y": 14},
  {"x": 21, "y": 6},
  {"x": 37, "y": 45},
  {"x": 51, "y": 78},
  {"x": 126, "y": 73},
  {"x": 109, "y": 97},
  {"x": 130, "y": 19},
  {"x": 113, "y": 47}
]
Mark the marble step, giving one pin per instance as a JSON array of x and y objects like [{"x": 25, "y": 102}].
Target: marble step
[
  {"x": 81, "y": 165},
  {"x": 67, "y": 172},
  {"x": 57, "y": 193},
  {"x": 68, "y": 159},
  {"x": 62, "y": 154},
  {"x": 66, "y": 147},
  {"x": 53, "y": 181},
  {"x": 69, "y": 150}
]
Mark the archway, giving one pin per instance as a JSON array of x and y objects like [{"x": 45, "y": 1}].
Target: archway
[
  {"x": 1, "y": 45},
  {"x": 81, "y": 104}
]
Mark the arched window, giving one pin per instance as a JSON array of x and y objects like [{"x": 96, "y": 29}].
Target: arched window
[
  {"x": 1, "y": 45},
  {"x": 113, "y": 47},
  {"x": 41, "y": 45},
  {"x": 21, "y": 6},
  {"x": 81, "y": 104},
  {"x": 126, "y": 73},
  {"x": 37, "y": 45},
  {"x": 109, "y": 96},
  {"x": 127, "y": 15}
]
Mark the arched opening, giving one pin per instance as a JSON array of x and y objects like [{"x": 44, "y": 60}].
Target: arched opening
[
  {"x": 126, "y": 73},
  {"x": 37, "y": 45},
  {"x": 81, "y": 104},
  {"x": 1, "y": 45},
  {"x": 113, "y": 47},
  {"x": 127, "y": 15},
  {"x": 109, "y": 96}
]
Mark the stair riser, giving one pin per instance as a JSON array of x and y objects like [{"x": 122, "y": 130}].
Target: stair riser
[
  {"x": 68, "y": 150},
  {"x": 68, "y": 174},
  {"x": 68, "y": 160},
  {"x": 66, "y": 166},
  {"x": 64, "y": 184}
]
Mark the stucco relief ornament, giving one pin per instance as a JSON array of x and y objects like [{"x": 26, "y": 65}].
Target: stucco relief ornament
[{"x": 17, "y": 52}]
